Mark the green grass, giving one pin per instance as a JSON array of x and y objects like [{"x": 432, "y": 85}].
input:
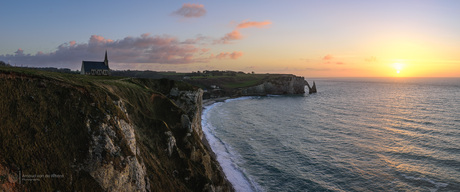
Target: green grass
[
  {"x": 42, "y": 115},
  {"x": 248, "y": 83},
  {"x": 230, "y": 82},
  {"x": 43, "y": 130},
  {"x": 172, "y": 74},
  {"x": 43, "y": 122}
]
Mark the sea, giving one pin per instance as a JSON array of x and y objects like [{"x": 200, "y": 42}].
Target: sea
[{"x": 355, "y": 134}]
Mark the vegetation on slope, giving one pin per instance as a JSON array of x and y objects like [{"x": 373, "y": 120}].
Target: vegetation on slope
[
  {"x": 229, "y": 82},
  {"x": 44, "y": 118}
]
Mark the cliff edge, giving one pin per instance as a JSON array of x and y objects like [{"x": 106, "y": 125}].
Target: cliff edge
[
  {"x": 286, "y": 84},
  {"x": 64, "y": 132}
]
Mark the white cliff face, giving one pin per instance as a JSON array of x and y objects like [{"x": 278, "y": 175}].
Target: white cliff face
[
  {"x": 128, "y": 131},
  {"x": 104, "y": 148},
  {"x": 114, "y": 166},
  {"x": 191, "y": 103},
  {"x": 171, "y": 142},
  {"x": 278, "y": 86}
]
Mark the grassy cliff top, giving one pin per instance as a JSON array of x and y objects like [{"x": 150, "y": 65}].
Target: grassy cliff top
[
  {"x": 207, "y": 79},
  {"x": 48, "y": 121}
]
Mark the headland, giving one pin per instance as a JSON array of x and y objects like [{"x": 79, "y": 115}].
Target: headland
[{"x": 109, "y": 133}]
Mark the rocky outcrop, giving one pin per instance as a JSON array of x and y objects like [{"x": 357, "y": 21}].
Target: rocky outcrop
[
  {"x": 102, "y": 135},
  {"x": 311, "y": 89},
  {"x": 287, "y": 84},
  {"x": 112, "y": 159},
  {"x": 191, "y": 102}
]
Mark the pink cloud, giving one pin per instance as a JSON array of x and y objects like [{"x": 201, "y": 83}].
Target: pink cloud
[
  {"x": 191, "y": 10},
  {"x": 253, "y": 24},
  {"x": 236, "y": 54},
  {"x": 233, "y": 55},
  {"x": 236, "y": 35},
  {"x": 19, "y": 52},
  {"x": 144, "y": 49},
  {"x": 328, "y": 60},
  {"x": 222, "y": 55},
  {"x": 328, "y": 57},
  {"x": 99, "y": 39}
]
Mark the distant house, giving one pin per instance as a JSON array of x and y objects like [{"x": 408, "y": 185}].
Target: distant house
[{"x": 95, "y": 67}]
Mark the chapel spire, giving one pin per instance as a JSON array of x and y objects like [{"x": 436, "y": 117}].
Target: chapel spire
[{"x": 106, "y": 61}]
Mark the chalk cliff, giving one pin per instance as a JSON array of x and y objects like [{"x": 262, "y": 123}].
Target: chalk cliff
[
  {"x": 63, "y": 132},
  {"x": 286, "y": 84}
]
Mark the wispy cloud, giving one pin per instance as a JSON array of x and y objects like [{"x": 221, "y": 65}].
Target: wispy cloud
[
  {"x": 328, "y": 57},
  {"x": 190, "y": 10},
  {"x": 147, "y": 49},
  {"x": 233, "y": 55},
  {"x": 257, "y": 24},
  {"x": 331, "y": 59},
  {"x": 236, "y": 35}
]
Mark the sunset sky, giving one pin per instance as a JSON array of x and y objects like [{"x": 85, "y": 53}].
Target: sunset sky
[{"x": 357, "y": 38}]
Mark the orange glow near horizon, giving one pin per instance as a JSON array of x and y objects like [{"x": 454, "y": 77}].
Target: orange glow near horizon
[
  {"x": 398, "y": 67},
  {"x": 305, "y": 38}
]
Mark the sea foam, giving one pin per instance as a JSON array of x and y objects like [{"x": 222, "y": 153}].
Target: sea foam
[{"x": 225, "y": 156}]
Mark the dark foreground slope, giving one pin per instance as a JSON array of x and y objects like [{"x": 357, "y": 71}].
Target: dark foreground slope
[{"x": 79, "y": 133}]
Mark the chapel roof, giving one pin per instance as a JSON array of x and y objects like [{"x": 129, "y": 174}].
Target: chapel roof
[{"x": 88, "y": 65}]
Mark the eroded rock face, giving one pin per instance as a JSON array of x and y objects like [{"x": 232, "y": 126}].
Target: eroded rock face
[
  {"x": 112, "y": 160},
  {"x": 192, "y": 104},
  {"x": 288, "y": 84},
  {"x": 99, "y": 136},
  {"x": 171, "y": 142}
]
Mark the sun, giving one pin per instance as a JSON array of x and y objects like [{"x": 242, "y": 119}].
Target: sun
[{"x": 398, "y": 67}]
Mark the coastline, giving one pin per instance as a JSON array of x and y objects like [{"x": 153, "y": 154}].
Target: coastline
[
  {"x": 221, "y": 151},
  {"x": 208, "y": 102},
  {"x": 224, "y": 155}
]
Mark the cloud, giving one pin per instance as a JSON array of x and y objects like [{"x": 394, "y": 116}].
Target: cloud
[
  {"x": 225, "y": 55},
  {"x": 19, "y": 52},
  {"x": 96, "y": 39},
  {"x": 236, "y": 54},
  {"x": 253, "y": 24},
  {"x": 236, "y": 35},
  {"x": 145, "y": 49},
  {"x": 190, "y": 10},
  {"x": 328, "y": 57}
]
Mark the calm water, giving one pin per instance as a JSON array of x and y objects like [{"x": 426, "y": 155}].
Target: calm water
[{"x": 353, "y": 135}]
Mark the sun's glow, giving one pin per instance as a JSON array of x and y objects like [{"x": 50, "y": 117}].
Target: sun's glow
[{"x": 398, "y": 67}]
